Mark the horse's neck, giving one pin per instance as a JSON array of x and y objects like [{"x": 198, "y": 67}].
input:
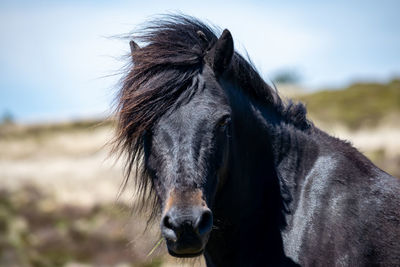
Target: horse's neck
[
  {"x": 294, "y": 153},
  {"x": 248, "y": 210}
]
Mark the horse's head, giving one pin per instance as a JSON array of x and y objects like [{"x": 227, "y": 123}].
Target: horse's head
[
  {"x": 186, "y": 155},
  {"x": 201, "y": 124}
]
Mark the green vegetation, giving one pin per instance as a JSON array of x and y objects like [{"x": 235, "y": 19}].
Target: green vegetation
[
  {"x": 36, "y": 231},
  {"x": 287, "y": 76},
  {"x": 360, "y": 105},
  {"x": 7, "y": 118}
]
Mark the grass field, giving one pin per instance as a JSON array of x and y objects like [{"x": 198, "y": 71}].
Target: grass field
[
  {"x": 362, "y": 105},
  {"x": 59, "y": 203}
]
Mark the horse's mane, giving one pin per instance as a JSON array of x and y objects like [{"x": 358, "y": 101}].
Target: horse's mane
[{"x": 164, "y": 69}]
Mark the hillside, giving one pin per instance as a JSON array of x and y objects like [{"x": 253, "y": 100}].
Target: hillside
[{"x": 361, "y": 105}]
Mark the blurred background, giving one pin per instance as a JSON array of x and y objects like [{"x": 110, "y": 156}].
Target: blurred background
[{"x": 60, "y": 63}]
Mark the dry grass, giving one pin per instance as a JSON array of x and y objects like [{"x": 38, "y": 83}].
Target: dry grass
[
  {"x": 59, "y": 202},
  {"x": 59, "y": 187}
]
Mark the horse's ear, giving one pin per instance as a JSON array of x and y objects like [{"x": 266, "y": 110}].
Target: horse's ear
[
  {"x": 220, "y": 55},
  {"x": 134, "y": 46}
]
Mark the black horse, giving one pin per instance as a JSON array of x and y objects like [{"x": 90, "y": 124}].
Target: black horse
[{"x": 219, "y": 150}]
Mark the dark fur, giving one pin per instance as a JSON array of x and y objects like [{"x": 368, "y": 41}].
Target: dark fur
[{"x": 274, "y": 204}]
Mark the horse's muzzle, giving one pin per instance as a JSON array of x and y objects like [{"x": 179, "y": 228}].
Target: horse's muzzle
[{"x": 186, "y": 230}]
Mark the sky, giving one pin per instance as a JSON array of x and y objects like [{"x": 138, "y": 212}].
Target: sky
[{"x": 62, "y": 60}]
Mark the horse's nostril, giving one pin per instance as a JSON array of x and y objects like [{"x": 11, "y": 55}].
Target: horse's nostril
[
  {"x": 167, "y": 222},
  {"x": 168, "y": 229},
  {"x": 193, "y": 223},
  {"x": 204, "y": 225}
]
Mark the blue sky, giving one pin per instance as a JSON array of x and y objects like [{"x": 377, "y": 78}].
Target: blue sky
[{"x": 56, "y": 57}]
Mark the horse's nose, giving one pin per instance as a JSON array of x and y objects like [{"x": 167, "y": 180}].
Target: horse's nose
[{"x": 177, "y": 223}]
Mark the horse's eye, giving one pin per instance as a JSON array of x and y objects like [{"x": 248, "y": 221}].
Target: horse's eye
[{"x": 223, "y": 123}]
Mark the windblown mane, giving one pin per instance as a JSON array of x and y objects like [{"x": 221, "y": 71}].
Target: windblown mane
[{"x": 163, "y": 70}]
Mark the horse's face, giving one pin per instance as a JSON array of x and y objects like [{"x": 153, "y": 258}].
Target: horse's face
[{"x": 186, "y": 155}]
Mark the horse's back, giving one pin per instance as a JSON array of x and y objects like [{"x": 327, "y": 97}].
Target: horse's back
[
  {"x": 346, "y": 214},
  {"x": 380, "y": 237}
]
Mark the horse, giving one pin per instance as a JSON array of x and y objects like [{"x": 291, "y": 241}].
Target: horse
[{"x": 236, "y": 173}]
